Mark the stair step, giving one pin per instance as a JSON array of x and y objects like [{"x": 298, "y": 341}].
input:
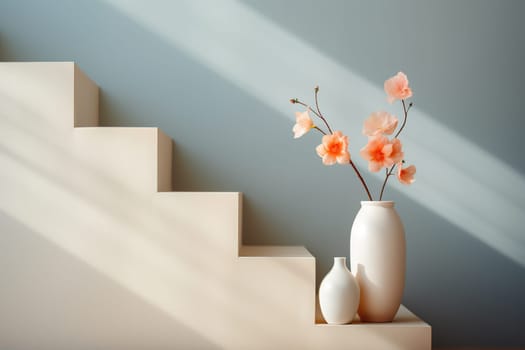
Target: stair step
[
  {"x": 404, "y": 317},
  {"x": 142, "y": 157},
  {"x": 274, "y": 251}
]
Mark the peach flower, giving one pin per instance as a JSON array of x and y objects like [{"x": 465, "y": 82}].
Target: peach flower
[
  {"x": 381, "y": 152},
  {"x": 397, "y": 87},
  {"x": 380, "y": 123},
  {"x": 303, "y": 124},
  {"x": 406, "y": 175},
  {"x": 334, "y": 149}
]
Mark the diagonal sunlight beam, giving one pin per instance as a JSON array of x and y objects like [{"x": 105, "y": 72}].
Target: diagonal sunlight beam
[{"x": 273, "y": 65}]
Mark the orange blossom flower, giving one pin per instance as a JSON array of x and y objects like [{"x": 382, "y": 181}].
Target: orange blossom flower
[
  {"x": 397, "y": 87},
  {"x": 380, "y": 123},
  {"x": 334, "y": 149},
  {"x": 303, "y": 124},
  {"x": 381, "y": 152},
  {"x": 406, "y": 175}
]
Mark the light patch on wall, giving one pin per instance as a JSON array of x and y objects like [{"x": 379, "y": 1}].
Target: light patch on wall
[{"x": 456, "y": 179}]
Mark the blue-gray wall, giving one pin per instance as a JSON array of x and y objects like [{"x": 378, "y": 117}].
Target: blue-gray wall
[{"x": 221, "y": 93}]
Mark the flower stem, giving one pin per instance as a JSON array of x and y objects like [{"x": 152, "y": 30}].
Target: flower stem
[
  {"x": 320, "y": 130},
  {"x": 361, "y": 179},
  {"x": 405, "y": 112},
  {"x": 318, "y": 110},
  {"x": 389, "y": 173},
  {"x": 305, "y": 105}
]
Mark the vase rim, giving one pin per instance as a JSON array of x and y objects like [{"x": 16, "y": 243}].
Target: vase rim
[
  {"x": 340, "y": 261},
  {"x": 386, "y": 204}
]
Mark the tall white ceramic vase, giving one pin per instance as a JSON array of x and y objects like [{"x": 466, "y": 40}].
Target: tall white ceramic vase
[
  {"x": 339, "y": 294},
  {"x": 378, "y": 260}
]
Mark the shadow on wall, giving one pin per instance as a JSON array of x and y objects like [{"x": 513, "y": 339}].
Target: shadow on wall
[
  {"x": 1, "y": 47},
  {"x": 467, "y": 291},
  {"x": 228, "y": 139}
]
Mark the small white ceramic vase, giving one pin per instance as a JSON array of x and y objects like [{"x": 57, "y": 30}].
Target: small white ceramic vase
[
  {"x": 339, "y": 294},
  {"x": 377, "y": 256}
]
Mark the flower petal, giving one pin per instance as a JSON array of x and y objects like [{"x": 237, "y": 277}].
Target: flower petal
[
  {"x": 334, "y": 148},
  {"x": 381, "y": 152},
  {"x": 380, "y": 123},
  {"x": 406, "y": 175},
  {"x": 329, "y": 159},
  {"x": 303, "y": 124},
  {"x": 397, "y": 87}
]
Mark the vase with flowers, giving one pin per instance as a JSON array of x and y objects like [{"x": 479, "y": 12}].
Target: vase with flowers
[{"x": 377, "y": 238}]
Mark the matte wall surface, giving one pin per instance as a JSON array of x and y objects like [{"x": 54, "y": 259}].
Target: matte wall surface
[{"x": 216, "y": 76}]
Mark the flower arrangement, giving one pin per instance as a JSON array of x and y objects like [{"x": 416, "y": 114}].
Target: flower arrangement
[{"x": 380, "y": 151}]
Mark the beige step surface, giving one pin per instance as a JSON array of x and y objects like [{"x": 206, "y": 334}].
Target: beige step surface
[{"x": 97, "y": 253}]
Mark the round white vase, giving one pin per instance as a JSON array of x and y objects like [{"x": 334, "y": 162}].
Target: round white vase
[
  {"x": 339, "y": 294},
  {"x": 378, "y": 259}
]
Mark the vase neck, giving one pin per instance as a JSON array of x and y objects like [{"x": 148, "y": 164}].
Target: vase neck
[
  {"x": 384, "y": 204},
  {"x": 339, "y": 262}
]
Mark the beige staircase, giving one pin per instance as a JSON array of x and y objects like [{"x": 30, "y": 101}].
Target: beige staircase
[{"x": 96, "y": 253}]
